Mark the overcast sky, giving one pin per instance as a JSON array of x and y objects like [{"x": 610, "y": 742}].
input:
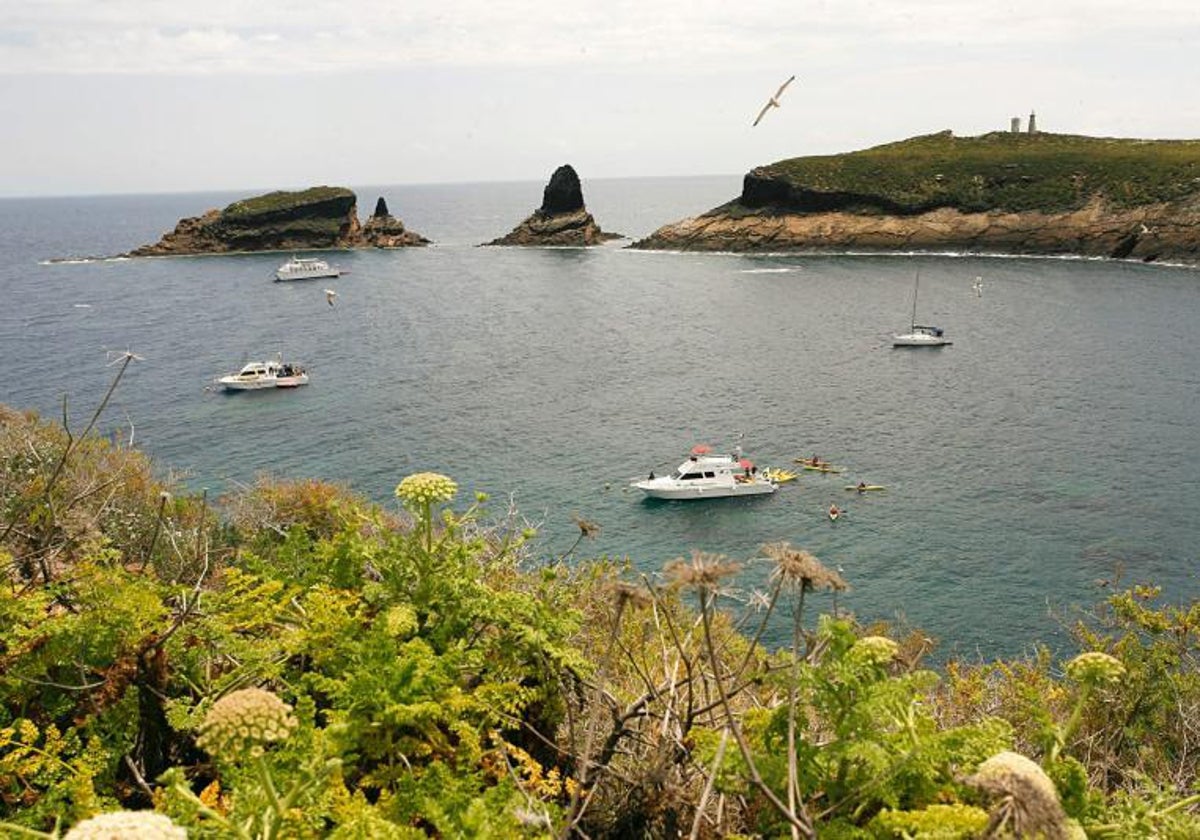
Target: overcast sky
[{"x": 126, "y": 96}]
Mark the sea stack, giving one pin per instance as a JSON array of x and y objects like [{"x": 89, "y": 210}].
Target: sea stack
[
  {"x": 383, "y": 230},
  {"x": 561, "y": 220}
]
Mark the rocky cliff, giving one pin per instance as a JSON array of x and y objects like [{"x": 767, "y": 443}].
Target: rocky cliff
[
  {"x": 1038, "y": 194},
  {"x": 561, "y": 220},
  {"x": 316, "y": 218}
]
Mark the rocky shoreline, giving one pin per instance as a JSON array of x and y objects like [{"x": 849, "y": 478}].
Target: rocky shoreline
[{"x": 1160, "y": 232}]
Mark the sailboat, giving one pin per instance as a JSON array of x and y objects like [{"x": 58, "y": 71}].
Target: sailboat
[{"x": 920, "y": 335}]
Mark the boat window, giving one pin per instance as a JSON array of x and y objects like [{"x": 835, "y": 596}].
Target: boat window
[
  {"x": 710, "y": 475},
  {"x": 693, "y": 476}
]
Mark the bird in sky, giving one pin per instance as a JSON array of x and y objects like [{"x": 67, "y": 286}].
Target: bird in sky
[
  {"x": 330, "y": 294},
  {"x": 773, "y": 102}
]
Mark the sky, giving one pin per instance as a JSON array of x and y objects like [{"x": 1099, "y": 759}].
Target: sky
[{"x": 141, "y": 96}]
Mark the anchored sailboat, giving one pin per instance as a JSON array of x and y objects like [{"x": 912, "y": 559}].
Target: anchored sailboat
[{"x": 920, "y": 335}]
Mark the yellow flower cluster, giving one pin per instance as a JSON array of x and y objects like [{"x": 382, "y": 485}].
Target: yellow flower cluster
[
  {"x": 874, "y": 650},
  {"x": 244, "y": 719},
  {"x": 1094, "y": 668},
  {"x": 127, "y": 825},
  {"x": 510, "y": 760},
  {"x": 421, "y": 489}
]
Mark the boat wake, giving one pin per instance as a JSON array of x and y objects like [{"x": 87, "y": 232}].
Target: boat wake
[{"x": 785, "y": 270}]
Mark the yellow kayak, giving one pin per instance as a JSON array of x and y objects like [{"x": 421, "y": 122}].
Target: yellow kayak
[
  {"x": 779, "y": 476},
  {"x": 865, "y": 487},
  {"x": 824, "y": 468},
  {"x": 809, "y": 462}
]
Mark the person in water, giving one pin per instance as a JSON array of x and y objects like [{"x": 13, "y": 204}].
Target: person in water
[{"x": 834, "y": 512}]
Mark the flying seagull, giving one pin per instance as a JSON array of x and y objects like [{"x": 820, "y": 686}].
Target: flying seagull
[
  {"x": 330, "y": 294},
  {"x": 773, "y": 102}
]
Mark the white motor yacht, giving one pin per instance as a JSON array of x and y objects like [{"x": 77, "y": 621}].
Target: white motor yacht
[
  {"x": 270, "y": 374},
  {"x": 707, "y": 476},
  {"x": 305, "y": 268}
]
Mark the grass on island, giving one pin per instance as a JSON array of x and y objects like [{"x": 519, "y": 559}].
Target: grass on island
[
  {"x": 274, "y": 202},
  {"x": 1002, "y": 171}
]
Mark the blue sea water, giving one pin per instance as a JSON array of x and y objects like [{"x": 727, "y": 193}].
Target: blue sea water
[{"x": 1052, "y": 447}]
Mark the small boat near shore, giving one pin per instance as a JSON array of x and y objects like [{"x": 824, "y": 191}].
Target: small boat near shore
[
  {"x": 255, "y": 376},
  {"x": 705, "y": 475},
  {"x": 305, "y": 268}
]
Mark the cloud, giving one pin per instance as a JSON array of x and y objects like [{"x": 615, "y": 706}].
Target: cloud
[{"x": 272, "y": 37}]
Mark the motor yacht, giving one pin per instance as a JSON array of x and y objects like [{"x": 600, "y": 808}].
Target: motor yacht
[
  {"x": 270, "y": 374},
  {"x": 705, "y": 475},
  {"x": 306, "y": 268}
]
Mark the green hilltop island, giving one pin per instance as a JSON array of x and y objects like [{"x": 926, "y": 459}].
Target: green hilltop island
[
  {"x": 315, "y": 218},
  {"x": 1003, "y": 192}
]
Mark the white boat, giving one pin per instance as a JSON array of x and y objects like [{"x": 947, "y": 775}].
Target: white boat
[
  {"x": 270, "y": 374},
  {"x": 920, "y": 335},
  {"x": 707, "y": 476},
  {"x": 305, "y": 268}
]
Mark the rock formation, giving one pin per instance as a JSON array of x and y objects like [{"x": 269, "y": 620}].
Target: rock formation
[
  {"x": 312, "y": 219},
  {"x": 1068, "y": 196},
  {"x": 1157, "y": 232},
  {"x": 561, "y": 220},
  {"x": 383, "y": 230}
]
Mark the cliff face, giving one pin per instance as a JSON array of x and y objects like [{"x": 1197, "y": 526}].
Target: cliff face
[
  {"x": 1013, "y": 194},
  {"x": 561, "y": 220},
  {"x": 312, "y": 219},
  {"x": 1156, "y": 232}
]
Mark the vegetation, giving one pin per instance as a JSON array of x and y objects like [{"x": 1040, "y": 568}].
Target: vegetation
[
  {"x": 999, "y": 171},
  {"x": 282, "y": 201},
  {"x": 293, "y": 661}
]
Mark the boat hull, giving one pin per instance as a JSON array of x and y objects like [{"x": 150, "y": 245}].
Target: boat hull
[
  {"x": 919, "y": 340},
  {"x": 244, "y": 384},
  {"x": 281, "y": 276},
  {"x": 680, "y": 491}
]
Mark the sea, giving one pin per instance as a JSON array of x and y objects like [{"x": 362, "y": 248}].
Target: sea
[{"x": 1048, "y": 458}]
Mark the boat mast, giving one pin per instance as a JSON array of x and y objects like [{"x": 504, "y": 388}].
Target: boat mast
[{"x": 916, "y": 287}]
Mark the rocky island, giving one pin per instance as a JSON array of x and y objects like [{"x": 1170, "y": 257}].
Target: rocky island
[
  {"x": 1003, "y": 192},
  {"x": 316, "y": 218},
  {"x": 561, "y": 220}
]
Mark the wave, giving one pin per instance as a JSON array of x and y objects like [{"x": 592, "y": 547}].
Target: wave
[
  {"x": 981, "y": 255},
  {"x": 81, "y": 260}
]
